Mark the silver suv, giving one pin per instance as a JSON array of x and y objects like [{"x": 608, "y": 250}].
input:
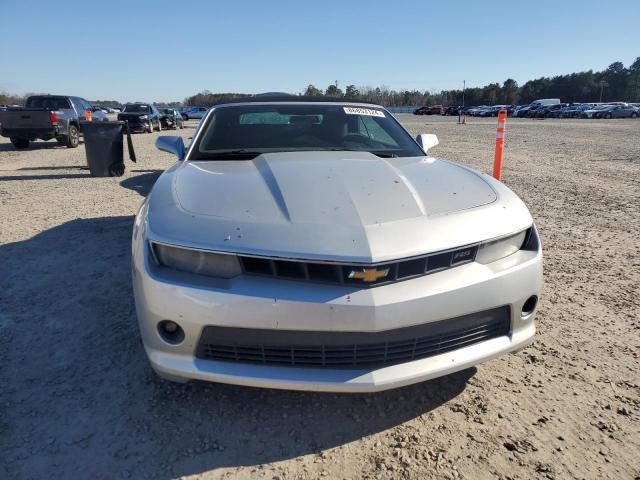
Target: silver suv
[{"x": 194, "y": 112}]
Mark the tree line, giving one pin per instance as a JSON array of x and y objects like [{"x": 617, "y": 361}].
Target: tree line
[{"x": 615, "y": 83}]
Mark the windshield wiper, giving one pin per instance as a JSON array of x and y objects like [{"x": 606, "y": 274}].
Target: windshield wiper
[
  {"x": 384, "y": 154},
  {"x": 378, "y": 153},
  {"x": 242, "y": 152}
]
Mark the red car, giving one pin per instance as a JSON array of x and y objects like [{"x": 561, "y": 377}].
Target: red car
[{"x": 435, "y": 110}]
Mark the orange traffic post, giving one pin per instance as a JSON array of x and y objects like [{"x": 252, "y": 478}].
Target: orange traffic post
[
  {"x": 87, "y": 115},
  {"x": 500, "y": 133}
]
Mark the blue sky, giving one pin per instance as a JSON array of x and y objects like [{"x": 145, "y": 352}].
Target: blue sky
[{"x": 166, "y": 50}]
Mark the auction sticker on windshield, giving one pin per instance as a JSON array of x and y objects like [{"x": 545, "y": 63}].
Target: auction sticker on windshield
[{"x": 363, "y": 111}]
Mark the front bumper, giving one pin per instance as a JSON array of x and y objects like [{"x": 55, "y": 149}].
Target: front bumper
[
  {"x": 137, "y": 125},
  {"x": 268, "y": 303}
]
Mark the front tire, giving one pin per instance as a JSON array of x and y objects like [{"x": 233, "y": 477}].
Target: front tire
[
  {"x": 20, "y": 143},
  {"x": 72, "y": 139},
  {"x": 159, "y": 125},
  {"x": 608, "y": 115},
  {"x": 634, "y": 115}
]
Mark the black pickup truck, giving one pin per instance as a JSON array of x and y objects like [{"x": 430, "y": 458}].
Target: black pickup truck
[{"x": 47, "y": 117}]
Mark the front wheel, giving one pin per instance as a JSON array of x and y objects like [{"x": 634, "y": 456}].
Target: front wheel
[
  {"x": 608, "y": 115},
  {"x": 20, "y": 142},
  {"x": 73, "y": 137},
  {"x": 634, "y": 115}
]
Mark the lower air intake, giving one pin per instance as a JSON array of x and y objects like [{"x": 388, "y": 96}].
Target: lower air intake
[{"x": 351, "y": 349}]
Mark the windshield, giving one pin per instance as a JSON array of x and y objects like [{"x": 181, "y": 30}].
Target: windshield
[
  {"x": 245, "y": 131},
  {"x": 136, "y": 108}
]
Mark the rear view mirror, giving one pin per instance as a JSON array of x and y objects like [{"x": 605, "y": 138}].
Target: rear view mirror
[
  {"x": 171, "y": 144},
  {"x": 427, "y": 141}
]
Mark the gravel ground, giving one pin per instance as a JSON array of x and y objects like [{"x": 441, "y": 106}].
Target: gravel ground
[{"x": 79, "y": 400}]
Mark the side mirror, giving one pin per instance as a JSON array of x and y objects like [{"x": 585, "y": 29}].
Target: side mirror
[
  {"x": 171, "y": 144},
  {"x": 427, "y": 141}
]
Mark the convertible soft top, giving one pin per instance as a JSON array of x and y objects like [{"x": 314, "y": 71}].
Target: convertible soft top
[{"x": 283, "y": 97}]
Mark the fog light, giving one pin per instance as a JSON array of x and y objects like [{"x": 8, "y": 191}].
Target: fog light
[
  {"x": 170, "y": 327},
  {"x": 529, "y": 306},
  {"x": 170, "y": 332}
]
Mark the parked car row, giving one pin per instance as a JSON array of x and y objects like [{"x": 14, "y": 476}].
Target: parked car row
[
  {"x": 580, "y": 110},
  {"x": 435, "y": 110},
  {"x": 548, "y": 108},
  {"x": 145, "y": 117},
  {"x": 47, "y": 117}
]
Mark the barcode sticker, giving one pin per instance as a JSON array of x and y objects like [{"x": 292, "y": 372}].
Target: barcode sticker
[{"x": 363, "y": 111}]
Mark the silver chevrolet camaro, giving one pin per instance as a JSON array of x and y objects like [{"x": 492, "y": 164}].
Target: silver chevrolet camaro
[{"x": 315, "y": 245}]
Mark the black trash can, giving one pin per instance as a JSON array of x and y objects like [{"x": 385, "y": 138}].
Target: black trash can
[{"x": 104, "y": 148}]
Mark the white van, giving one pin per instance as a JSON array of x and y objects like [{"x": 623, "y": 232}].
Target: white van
[{"x": 545, "y": 102}]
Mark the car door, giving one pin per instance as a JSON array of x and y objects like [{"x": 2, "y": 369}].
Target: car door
[{"x": 626, "y": 111}]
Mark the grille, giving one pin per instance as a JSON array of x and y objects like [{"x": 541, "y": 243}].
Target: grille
[
  {"x": 358, "y": 275},
  {"x": 133, "y": 121},
  {"x": 351, "y": 349}
]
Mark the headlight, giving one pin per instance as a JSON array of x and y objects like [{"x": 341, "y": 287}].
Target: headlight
[
  {"x": 144, "y": 117},
  {"x": 491, "y": 251},
  {"x": 200, "y": 263}
]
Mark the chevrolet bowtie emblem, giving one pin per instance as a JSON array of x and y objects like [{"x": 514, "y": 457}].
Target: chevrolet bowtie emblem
[{"x": 369, "y": 274}]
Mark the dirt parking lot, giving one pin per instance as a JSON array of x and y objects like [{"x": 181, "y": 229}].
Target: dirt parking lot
[{"x": 79, "y": 400}]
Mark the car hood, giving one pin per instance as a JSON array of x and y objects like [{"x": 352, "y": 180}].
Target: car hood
[
  {"x": 327, "y": 188},
  {"x": 329, "y": 205}
]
